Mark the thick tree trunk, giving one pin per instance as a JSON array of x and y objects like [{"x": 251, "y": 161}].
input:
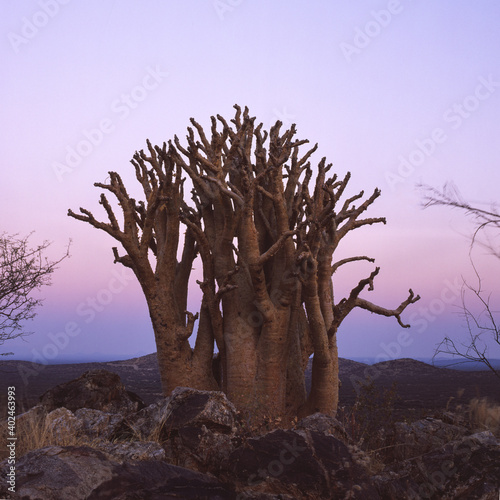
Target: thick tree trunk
[
  {"x": 334, "y": 353},
  {"x": 299, "y": 350},
  {"x": 241, "y": 322},
  {"x": 272, "y": 366},
  {"x": 174, "y": 360},
  {"x": 241, "y": 355},
  {"x": 177, "y": 364},
  {"x": 323, "y": 396}
]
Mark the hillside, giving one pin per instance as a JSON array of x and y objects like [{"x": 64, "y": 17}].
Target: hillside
[{"x": 419, "y": 385}]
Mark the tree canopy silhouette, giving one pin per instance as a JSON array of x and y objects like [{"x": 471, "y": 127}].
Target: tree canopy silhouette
[
  {"x": 266, "y": 227},
  {"x": 23, "y": 270}
]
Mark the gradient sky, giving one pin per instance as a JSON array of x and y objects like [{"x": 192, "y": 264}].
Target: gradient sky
[{"x": 397, "y": 92}]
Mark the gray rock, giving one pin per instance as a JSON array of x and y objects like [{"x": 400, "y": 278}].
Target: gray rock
[
  {"x": 146, "y": 423},
  {"x": 55, "y": 473},
  {"x": 87, "y": 424},
  {"x": 467, "y": 468},
  {"x": 98, "y": 424},
  {"x": 191, "y": 407},
  {"x": 185, "y": 407},
  {"x": 325, "y": 424},
  {"x": 199, "y": 448},
  {"x": 95, "y": 389},
  {"x": 423, "y": 436},
  {"x": 303, "y": 464},
  {"x": 62, "y": 425}
]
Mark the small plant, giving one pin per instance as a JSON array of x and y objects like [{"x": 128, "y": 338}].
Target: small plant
[
  {"x": 370, "y": 422},
  {"x": 34, "y": 432},
  {"x": 158, "y": 434},
  {"x": 484, "y": 415}
]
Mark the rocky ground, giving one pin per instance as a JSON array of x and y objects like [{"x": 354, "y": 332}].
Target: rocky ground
[{"x": 106, "y": 443}]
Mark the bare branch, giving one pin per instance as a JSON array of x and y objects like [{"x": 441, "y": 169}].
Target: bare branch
[
  {"x": 345, "y": 306},
  {"x": 382, "y": 311},
  {"x": 271, "y": 252},
  {"x": 350, "y": 259},
  {"x": 476, "y": 349},
  {"x": 187, "y": 331},
  {"x": 23, "y": 270},
  {"x": 231, "y": 193}
]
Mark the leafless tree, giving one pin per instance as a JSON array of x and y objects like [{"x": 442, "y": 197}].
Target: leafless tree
[
  {"x": 483, "y": 327},
  {"x": 23, "y": 271},
  {"x": 266, "y": 234}
]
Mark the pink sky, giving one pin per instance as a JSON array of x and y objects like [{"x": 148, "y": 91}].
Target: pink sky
[{"x": 397, "y": 92}]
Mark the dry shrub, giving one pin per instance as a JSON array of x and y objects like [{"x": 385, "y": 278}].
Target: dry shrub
[
  {"x": 371, "y": 423},
  {"x": 159, "y": 433},
  {"x": 484, "y": 415},
  {"x": 33, "y": 432},
  {"x": 371, "y": 416}
]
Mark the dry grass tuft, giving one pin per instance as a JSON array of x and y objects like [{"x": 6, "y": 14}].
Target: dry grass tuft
[
  {"x": 34, "y": 432},
  {"x": 158, "y": 434},
  {"x": 484, "y": 415}
]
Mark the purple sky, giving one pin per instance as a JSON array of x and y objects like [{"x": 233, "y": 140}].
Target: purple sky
[{"x": 397, "y": 92}]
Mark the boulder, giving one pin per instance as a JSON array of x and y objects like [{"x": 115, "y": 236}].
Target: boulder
[
  {"x": 97, "y": 428},
  {"x": 97, "y": 424},
  {"x": 191, "y": 407},
  {"x": 62, "y": 425},
  {"x": 198, "y": 429},
  {"x": 195, "y": 427},
  {"x": 467, "y": 468},
  {"x": 95, "y": 389},
  {"x": 422, "y": 436},
  {"x": 146, "y": 423},
  {"x": 199, "y": 448},
  {"x": 185, "y": 407},
  {"x": 86, "y": 424},
  {"x": 301, "y": 463},
  {"x": 59, "y": 472},
  {"x": 325, "y": 424},
  {"x": 55, "y": 472}
]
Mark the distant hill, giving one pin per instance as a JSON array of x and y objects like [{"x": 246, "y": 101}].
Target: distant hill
[
  {"x": 419, "y": 385},
  {"x": 465, "y": 365},
  {"x": 456, "y": 364}
]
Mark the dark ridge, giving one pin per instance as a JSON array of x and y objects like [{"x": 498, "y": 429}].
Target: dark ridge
[{"x": 418, "y": 384}]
